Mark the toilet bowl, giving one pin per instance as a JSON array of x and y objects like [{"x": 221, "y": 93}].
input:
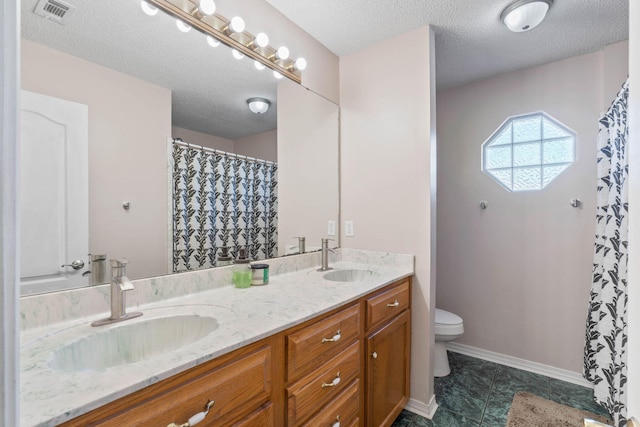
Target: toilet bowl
[{"x": 448, "y": 327}]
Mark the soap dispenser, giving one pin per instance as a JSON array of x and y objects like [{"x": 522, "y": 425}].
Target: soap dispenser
[
  {"x": 241, "y": 277},
  {"x": 224, "y": 258}
]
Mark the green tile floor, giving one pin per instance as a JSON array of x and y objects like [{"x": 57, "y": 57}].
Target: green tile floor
[{"x": 478, "y": 393}]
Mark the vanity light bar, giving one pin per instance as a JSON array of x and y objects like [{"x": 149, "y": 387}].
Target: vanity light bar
[{"x": 219, "y": 27}]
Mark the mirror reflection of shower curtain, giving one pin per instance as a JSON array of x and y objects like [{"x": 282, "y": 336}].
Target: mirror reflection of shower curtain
[
  {"x": 605, "y": 356},
  {"x": 221, "y": 200}
]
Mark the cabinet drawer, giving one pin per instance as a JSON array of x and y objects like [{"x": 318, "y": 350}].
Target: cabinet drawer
[
  {"x": 388, "y": 304},
  {"x": 343, "y": 409},
  {"x": 263, "y": 417},
  {"x": 311, "y": 393},
  {"x": 310, "y": 347},
  {"x": 236, "y": 388}
]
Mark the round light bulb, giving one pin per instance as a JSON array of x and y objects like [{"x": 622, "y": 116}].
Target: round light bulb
[
  {"x": 183, "y": 26},
  {"x": 277, "y": 75},
  {"x": 148, "y": 8},
  {"x": 262, "y": 40},
  {"x": 207, "y": 7},
  {"x": 259, "y": 65},
  {"x": 236, "y": 24},
  {"x": 282, "y": 52},
  {"x": 237, "y": 54},
  {"x": 301, "y": 64},
  {"x": 212, "y": 42}
]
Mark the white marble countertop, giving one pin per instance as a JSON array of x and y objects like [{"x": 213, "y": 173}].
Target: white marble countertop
[{"x": 49, "y": 396}]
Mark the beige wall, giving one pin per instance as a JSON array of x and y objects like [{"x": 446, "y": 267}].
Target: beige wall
[
  {"x": 386, "y": 169},
  {"x": 308, "y": 168},
  {"x": 129, "y": 123},
  {"x": 633, "y": 386},
  {"x": 261, "y": 146},
  {"x": 519, "y": 272},
  {"x": 203, "y": 139}
]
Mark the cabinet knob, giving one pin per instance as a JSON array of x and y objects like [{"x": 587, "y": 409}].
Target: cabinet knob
[
  {"x": 337, "y": 423},
  {"x": 394, "y": 304},
  {"x": 335, "y": 338},
  {"x": 333, "y": 383},
  {"x": 195, "y": 419},
  {"x": 374, "y": 354}
]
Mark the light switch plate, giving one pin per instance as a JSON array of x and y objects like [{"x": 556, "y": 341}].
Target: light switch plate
[
  {"x": 331, "y": 228},
  {"x": 348, "y": 228}
]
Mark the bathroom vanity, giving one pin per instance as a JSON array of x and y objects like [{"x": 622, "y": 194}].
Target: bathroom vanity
[
  {"x": 322, "y": 372},
  {"x": 303, "y": 350}
]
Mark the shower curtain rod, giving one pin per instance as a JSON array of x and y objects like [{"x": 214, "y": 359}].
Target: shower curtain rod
[{"x": 179, "y": 141}]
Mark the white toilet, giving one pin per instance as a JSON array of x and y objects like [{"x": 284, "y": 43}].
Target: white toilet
[{"x": 448, "y": 327}]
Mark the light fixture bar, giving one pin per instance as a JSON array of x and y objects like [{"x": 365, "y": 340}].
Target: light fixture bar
[{"x": 217, "y": 27}]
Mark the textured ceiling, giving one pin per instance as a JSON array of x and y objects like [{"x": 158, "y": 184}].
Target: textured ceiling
[
  {"x": 210, "y": 89},
  {"x": 471, "y": 42}
]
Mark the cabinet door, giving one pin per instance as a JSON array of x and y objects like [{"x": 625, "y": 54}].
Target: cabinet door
[{"x": 388, "y": 363}]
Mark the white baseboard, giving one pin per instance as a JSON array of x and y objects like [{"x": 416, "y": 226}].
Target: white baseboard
[
  {"x": 426, "y": 410},
  {"x": 525, "y": 365}
]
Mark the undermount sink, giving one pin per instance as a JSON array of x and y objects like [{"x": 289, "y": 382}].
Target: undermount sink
[
  {"x": 132, "y": 342},
  {"x": 350, "y": 275}
]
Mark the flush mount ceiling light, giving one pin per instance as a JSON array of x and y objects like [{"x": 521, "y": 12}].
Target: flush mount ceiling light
[
  {"x": 258, "y": 105},
  {"x": 203, "y": 16},
  {"x": 524, "y": 15}
]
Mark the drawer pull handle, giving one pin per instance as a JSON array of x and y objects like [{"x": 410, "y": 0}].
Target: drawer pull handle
[
  {"x": 333, "y": 383},
  {"x": 395, "y": 304},
  {"x": 374, "y": 354},
  {"x": 197, "y": 417},
  {"x": 335, "y": 338},
  {"x": 337, "y": 423}
]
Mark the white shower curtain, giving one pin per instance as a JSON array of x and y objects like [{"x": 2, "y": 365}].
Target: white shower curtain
[{"x": 605, "y": 357}]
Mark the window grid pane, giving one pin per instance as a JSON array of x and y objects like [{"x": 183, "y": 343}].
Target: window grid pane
[
  {"x": 498, "y": 157},
  {"x": 527, "y": 129},
  {"x": 528, "y": 152}
]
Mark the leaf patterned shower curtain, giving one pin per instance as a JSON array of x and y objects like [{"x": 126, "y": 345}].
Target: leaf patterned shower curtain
[
  {"x": 605, "y": 357},
  {"x": 221, "y": 200}
]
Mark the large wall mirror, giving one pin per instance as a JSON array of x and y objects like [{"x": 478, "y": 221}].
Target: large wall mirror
[{"x": 130, "y": 83}]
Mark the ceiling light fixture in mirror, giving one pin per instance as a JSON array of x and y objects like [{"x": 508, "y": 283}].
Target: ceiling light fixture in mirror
[{"x": 201, "y": 15}]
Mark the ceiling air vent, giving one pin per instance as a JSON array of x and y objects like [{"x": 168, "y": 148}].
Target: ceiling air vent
[{"x": 54, "y": 10}]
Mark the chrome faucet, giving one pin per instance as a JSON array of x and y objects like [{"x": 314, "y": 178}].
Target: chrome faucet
[
  {"x": 301, "y": 248},
  {"x": 120, "y": 284},
  {"x": 325, "y": 255}
]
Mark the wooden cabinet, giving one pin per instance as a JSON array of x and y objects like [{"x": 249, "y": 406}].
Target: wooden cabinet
[
  {"x": 318, "y": 342},
  {"x": 387, "y": 304},
  {"x": 350, "y": 366},
  {"x": 343, "y": 409},
  {"x": 323, "y": 360},
  {"x": 388, "y": 354},
  {"x": 238, "y": 383}
]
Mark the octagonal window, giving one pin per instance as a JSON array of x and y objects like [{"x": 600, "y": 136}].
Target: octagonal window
[{"x": 528, "y": 152}]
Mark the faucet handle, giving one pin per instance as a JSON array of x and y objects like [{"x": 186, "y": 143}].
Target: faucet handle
[
  {"x": 125, "y": 284},
  {"x": 119, "y": 262}
]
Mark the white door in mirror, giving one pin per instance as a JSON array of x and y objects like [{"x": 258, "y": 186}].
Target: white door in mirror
[{"x": 54, "y": 213}]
